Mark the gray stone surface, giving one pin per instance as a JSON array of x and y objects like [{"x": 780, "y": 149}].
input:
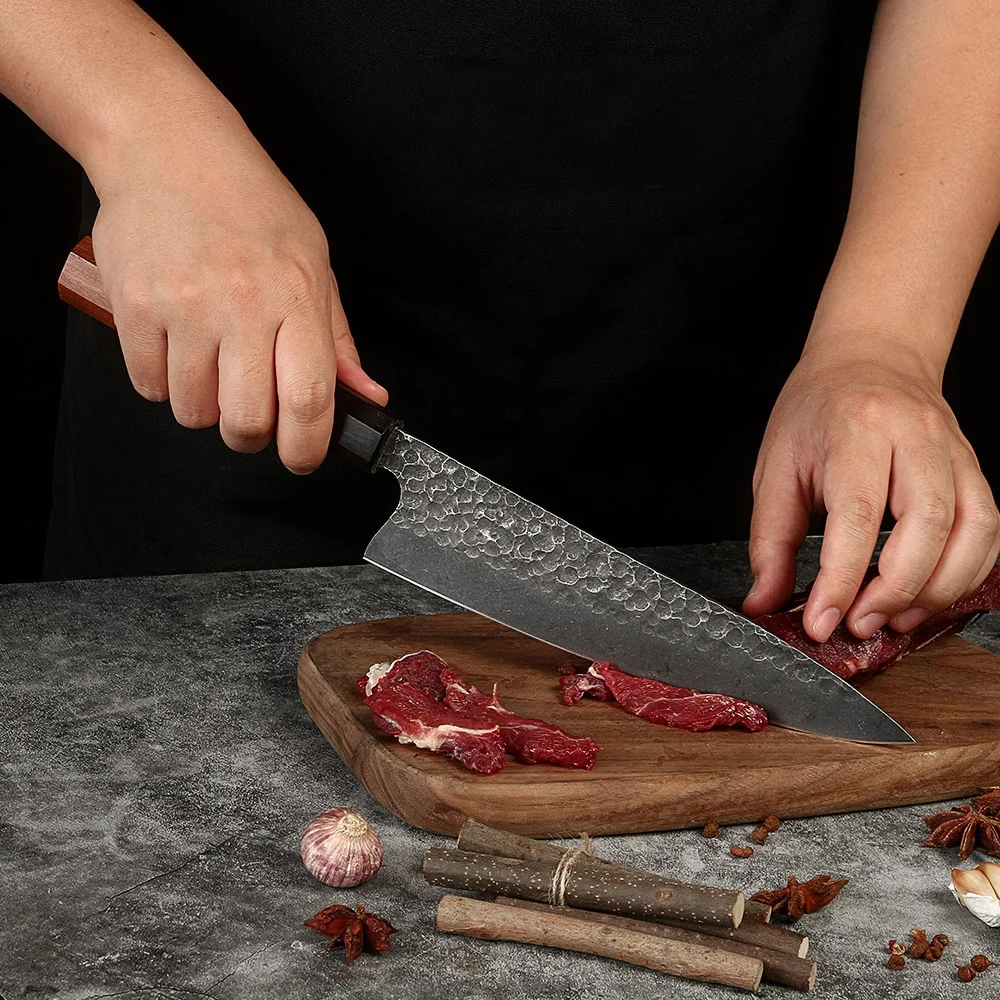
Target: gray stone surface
[{"x": 157, "y": 768}]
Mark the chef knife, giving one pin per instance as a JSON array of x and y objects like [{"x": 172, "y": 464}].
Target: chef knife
[{"x": 470, "y": 540}]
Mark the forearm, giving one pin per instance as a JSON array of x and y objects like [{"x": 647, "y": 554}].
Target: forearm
[
  {"x": 925, "y": 200},
  {"x": 106, "y": 82}
]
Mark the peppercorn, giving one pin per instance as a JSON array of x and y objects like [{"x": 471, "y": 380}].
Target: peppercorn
[
  {"x": 980, "y": 963},
  {"x": 933, "y": 953},
  {"x": 771, "y": 823},
  {"x": 759, "y": 835},
  {"x": 966, "y": 973},
  {"x": 711, "y": 830},
  {"x": 897, "y": 962},
  {"x": 920, "y": 943},
  {"x": 941, "y": 939},
  {"x": 740, "y": 852},
  {"x": 897, "y": 948}
]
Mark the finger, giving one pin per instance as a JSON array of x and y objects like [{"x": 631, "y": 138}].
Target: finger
[
  {"x": 143, "y": 341},
  {"x": 969, "y": 553},
  {"x": 349, "y": 368},
  {"x": 922, "y": 498},
  {"x": 778, "y": 526},
  {"x": 855, "y": 486},
  {"x": 305, "y": 366},
  {"x": 248, "y": 404},
  {"x": 193, "y": 374}
]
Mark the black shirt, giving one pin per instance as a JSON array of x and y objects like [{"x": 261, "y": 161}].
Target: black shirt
[{"x": 579, "y": 242}]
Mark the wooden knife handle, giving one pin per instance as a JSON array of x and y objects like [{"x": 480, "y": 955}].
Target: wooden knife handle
[{"x": 360, "y": 428}]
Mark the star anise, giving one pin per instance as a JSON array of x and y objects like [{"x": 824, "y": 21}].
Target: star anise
[
  {"x": 801, "y": 897},
  {"x": 966, "y": 826},
  {"x": 356, "y": 930},
  {"x": 989, "y": 801}
]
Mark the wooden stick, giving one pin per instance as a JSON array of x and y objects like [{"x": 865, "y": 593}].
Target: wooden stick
[
  {"x": 583, "y": 882},
  {"x": 752, "y": 910},
  {"x": 702, "y": 902},
  {"x": 781, "y": 968},
  {"x": 769, "y": 936},
  {"x": 753, "y": 928},
  {"x": 495, "y": 922}
]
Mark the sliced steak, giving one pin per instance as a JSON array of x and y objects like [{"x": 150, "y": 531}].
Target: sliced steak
[
  {"x": 531, "y": 741},
  {"x": 413, "y": 716},
  {"x": 855, "y": 659}
]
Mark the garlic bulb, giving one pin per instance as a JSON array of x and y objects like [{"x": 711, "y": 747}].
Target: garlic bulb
[
  {"x": 340, "y": 848},
  {"x": 978, "y": 890}
]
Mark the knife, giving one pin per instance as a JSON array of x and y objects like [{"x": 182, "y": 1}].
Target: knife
[{"x": 482, "y": 547}]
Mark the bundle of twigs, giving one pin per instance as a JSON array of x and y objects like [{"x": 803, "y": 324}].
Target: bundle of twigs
[{"x": 568, "y": 898}]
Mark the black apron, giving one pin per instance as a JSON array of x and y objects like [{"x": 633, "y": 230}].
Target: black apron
[{"x": 579, "y": 242}]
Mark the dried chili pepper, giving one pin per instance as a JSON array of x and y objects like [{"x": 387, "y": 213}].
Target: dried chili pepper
[
  {"x": 801, "y": 897},
  {"x": 357, "y": 930}
]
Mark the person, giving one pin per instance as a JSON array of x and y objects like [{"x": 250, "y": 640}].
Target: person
[{"x": 581, "y": 241}]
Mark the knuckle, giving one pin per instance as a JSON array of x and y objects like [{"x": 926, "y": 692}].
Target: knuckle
[
  {"x": 136, "y": 303},
  {"x": 983, "y": 518},
  {"x": 308, "y": 399},
  {"x": 301, "y": 281},
  {"x": 867, "y": 410},
  {"x": 240, "y": 289},
  {"x": 189, "y": 296},
  {"x": 194, "y": 418},
  {"x": 900, "y": 591},
  {"x": 860, "y": 513},
  {"x": 936, "y": 510}
]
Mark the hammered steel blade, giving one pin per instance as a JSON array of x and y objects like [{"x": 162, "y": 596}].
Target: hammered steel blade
[{"x": 463, "y": 537}]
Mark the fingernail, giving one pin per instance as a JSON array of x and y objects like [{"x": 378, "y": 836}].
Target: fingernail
[
  {"x": 910, "y": 618},
  {"x": 826, "y": 623},
  {"x": 866, "y": 627}
]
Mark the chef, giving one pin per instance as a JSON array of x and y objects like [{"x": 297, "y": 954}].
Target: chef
[{"x": 596, "y": 249}]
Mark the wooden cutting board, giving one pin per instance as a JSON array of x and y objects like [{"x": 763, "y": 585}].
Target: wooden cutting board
[{"x": 649, "y": 777}]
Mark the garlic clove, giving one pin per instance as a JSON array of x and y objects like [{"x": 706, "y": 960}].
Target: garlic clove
[
  {"x": 340, "y": 848},
  {"x": 971, "y": 880},
  {"x": 992, "y": 871},
  {"x": 974, "y": 890}
]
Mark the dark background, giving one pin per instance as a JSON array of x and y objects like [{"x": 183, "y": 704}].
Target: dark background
[{"x": 40, "y": 195}]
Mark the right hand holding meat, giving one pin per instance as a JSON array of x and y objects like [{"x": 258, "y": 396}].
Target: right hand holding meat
[{"x": 219, "y": 279}]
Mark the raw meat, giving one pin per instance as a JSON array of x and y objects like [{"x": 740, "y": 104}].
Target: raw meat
[
  {"x": 680, "y": 708},
  {"x": 422, "y": 670},
  {"x": 414, "y": 716},
  {"x": 531, "y": 741},
  {"x": 575, "y": 686},
  {"x": 856, "y": 659}
]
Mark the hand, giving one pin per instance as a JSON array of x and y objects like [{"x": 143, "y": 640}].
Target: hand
[
  {"x": 219, "y": 279},
  {"x": 851, "y": 430}
]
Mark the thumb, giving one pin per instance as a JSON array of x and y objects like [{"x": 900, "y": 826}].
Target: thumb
[{"x": 349, "y": 368}]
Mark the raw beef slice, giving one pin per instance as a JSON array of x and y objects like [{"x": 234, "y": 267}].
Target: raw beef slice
[
  {"x": 414, "y": 716},
  {"x": 679, "y": 708},
  {"x": 421, "y": 670},
  {"x": 531, "y": 741},
  {"x": 855, "y": 659}
]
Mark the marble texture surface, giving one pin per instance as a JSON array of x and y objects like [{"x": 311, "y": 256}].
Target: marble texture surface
[{"x": 157, "y": 768}]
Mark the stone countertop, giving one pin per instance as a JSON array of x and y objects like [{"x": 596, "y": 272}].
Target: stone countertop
[{"x": 157, "y": 769}]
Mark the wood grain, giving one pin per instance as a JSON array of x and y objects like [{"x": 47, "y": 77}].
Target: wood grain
[
  {"x": 649, "y": 777},
  {"x": 80, "y": 283}
]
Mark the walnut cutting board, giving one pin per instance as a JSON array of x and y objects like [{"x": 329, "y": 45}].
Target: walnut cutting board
[{"x": 649, "y": 777}]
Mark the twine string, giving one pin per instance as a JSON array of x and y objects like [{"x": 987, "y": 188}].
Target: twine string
[{"x": 557, "y": 888}]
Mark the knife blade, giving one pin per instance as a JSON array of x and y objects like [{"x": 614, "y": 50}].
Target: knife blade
[
  {"x": 464, "y": 537},
  {"x": 470, "y": 540}
]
